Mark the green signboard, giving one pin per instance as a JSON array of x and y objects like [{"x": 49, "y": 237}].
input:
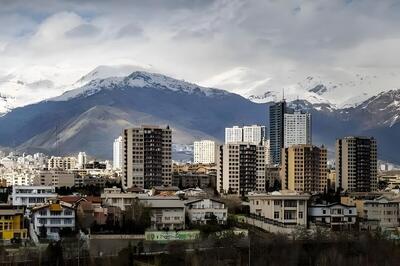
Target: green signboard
[{"x": 171, "y": 235}]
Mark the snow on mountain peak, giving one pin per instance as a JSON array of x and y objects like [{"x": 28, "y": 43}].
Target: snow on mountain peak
[{"x": 137, "y": 79}]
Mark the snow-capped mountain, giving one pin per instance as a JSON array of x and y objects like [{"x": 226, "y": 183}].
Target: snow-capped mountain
[
  {"x": 384, "y": 107},
  {"x": 104, "y": 71},
  {"x": 89, "y": 117},
  {"x": 341, "y": 88},
  {"x": 138, "y": 79},
  {"x": 289, "y": 94},
  {"x": 34, "y": 84}
]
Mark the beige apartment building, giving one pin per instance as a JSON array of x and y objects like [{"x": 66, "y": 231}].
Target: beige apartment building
[
  {"x": 304, "y": 168},
  {"x": 147, "y": 160},
  {"x": 282, "y": 208},
  {"x": 241, "y": 168},
  {"x": 356, "y": 164}
]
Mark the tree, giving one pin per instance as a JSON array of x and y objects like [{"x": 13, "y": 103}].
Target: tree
[{"x": 137, "y": 218}]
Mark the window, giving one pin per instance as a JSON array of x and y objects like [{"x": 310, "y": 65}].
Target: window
[
  {"x": 68, "y": 212},
  {"x": 43, "y": 212},
  {"x": 276, "y": 215},
  {"x": 290, "y": 203},
  {"x": 300, "y": 215},
  {"x": 290, "y": 215},
  {"x": 323, "y": 211},
  {"x": 277, "y": 203}
]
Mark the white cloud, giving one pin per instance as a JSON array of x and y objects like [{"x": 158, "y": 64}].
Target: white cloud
[{"x": 244, "y": 46}]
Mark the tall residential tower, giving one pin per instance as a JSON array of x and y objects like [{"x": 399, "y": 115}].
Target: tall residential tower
[
  {"x": 147, "y": 158},
  {"x": 356, "y": 164}
]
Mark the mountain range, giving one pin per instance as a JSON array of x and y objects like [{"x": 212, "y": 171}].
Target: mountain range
[{"x": 94, "y": 110}]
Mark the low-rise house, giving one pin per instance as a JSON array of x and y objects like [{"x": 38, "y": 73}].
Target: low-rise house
[
  {"x": 337, "y": 216},
  {"x": 48, "y": 219},
  {"x": 380, "y": 212},
  {"x": 281, "y": 208},
  {"x": 114, "y": 197},
  {"x": 202, "y": 211},
  {"x": 167, "y": 213},
  {"x": 12, "y": 223},
  {"x": 30, "y": 196}
]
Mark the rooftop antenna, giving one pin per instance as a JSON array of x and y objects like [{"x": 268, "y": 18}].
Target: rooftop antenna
[{"x": 283, "y": 94}]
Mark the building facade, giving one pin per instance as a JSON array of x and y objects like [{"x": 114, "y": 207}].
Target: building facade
[
  {"x": 379, "y": 212},
  {"x": 254, "y": 134},
  {"x": 118, "y": 153},
  {"x": 30, "y": 196},
  {"x": 12, "y": 223},
  {"x": 276, "y": 131},
  {"x": 297, "y": 128},
  {"x": 233, "y": 134},
  {"x": 147, "y": 158},
  {"x": 337, "y": 216},
  {"x": 304, "y": 168},
  {"x": 56, "y": 178},
  {"x": 82, "y": 159},
  {"x": 167, "y": 213},
  {"x": 241, "y": 168},
  {"x": 202, "y": 211},
  {"x": 282, "y": 208},
  {"x": 62, "y": 163},
  {"x": 356, "y": 164},
  {"x": 48, "y": 219},
  {"x": 204, "y": 152}
]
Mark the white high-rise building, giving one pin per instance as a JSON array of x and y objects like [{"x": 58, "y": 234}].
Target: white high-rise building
[
  {"x": 267, "y": 152},
  {"x": 82, "y": 159},
  {"x": 117, "y": 153},
  {"x": 204, "y": 151},
  {"x": 233, "y": 134},
  {"x": 297, "y": 128},
  {"x": 254, "y": 134}
]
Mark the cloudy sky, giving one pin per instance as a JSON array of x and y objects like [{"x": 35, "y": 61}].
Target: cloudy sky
[{"x": 242, "y": 46}]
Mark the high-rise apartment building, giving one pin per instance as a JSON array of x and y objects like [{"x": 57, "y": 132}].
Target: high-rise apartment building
[
  {"x": 304, "y": 168},
  {"x": 117, "y": 153},
  {"x": 82, "y": 160},
  {"x": 147, "y": 158},
  {"x": 254, "y": 134},
  {"x": 241, "y": 168},
  {"x": 233, "y": 134},
  {"x": 356, "y": 164},
  {"x": 276, "y": 131},
  {"x": 287, "y": 127},
  {"x": 297, "y": 128},
  {"x": 204, "y": 151}
]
